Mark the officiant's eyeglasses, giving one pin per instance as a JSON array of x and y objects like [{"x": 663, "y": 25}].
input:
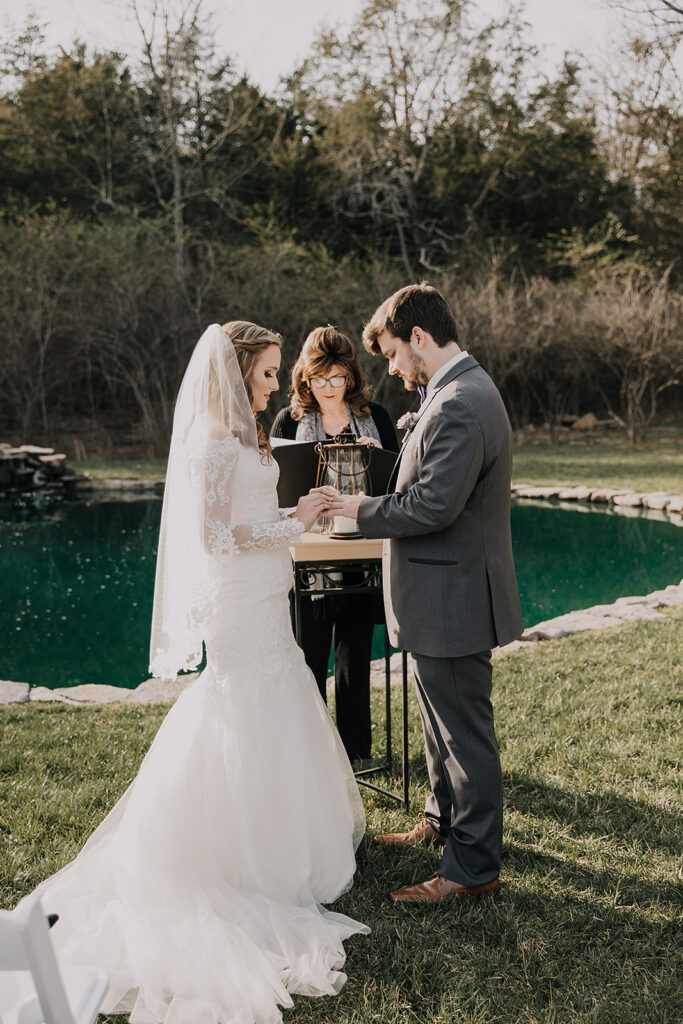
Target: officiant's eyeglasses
[{"x": 337, "y": 381}]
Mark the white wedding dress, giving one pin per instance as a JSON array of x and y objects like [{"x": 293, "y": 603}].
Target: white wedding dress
[{"x": 200, "y": 893}]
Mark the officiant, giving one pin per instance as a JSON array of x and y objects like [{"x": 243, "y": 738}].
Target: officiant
[{"x": 329, "y": 397}]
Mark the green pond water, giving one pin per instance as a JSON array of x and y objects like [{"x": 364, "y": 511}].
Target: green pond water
[{"x": 77, "y": 578}]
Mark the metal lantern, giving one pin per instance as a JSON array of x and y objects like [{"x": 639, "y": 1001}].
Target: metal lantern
[{"x": 344, "y": 465}]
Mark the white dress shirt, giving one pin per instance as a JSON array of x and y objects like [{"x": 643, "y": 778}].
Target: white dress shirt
[{"x": 434, "y": 380}]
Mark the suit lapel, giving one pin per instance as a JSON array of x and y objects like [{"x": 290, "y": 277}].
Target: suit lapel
[
  {"x": 461, "y": 367},
  {"x": 394, "y": 472}
]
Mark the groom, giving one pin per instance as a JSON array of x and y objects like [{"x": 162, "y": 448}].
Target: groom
[{"x": 450, "y": 590}]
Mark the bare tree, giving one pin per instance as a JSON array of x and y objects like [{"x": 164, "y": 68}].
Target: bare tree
[
  {"x": 525, "y": 334},
  {"x": 185, "y": 127},
  {"x": 39, "y": 262},
  {"x": 668, "y": 10},
  {"x": 638, "y": 95},
  {"x": 634, "y": 327},
  {"x": 379, "y": 91},
  {"x": 171, "y": 63},
  {"x": 493, "y": 327}
]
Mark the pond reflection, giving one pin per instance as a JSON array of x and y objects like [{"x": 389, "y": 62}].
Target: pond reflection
[
  {"x": 78, "y": 578},
  {"x": 570, "y": 557}
]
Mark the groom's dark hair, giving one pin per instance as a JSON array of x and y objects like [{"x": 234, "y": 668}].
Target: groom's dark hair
[{"x": 416, "y": 305}]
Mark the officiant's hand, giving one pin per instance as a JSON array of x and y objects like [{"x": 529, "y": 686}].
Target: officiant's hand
[{"x": 311, "y": 507}]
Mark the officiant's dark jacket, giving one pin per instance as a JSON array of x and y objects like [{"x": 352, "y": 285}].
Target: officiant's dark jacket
[
  {"x": 449, "y": 577},
  {"x": 346, "y": 621}
]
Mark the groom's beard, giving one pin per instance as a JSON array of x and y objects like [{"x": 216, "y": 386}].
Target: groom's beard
[{"x": 417, "y": 376}]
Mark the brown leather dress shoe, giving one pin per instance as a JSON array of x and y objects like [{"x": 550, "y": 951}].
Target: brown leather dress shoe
[
  {"x": 422, "y": 833},
  {"x": 438, "y": 888}
]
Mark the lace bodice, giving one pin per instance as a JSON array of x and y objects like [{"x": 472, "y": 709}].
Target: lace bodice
[{"x": 237, "y": 501}]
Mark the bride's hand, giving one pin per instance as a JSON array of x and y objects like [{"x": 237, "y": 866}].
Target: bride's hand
[
  {"x": 311, "y": 507},
  {"x": 327, "y": 491}
]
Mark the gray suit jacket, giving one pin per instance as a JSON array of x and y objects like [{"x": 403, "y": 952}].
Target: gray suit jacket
[{"x": 449, "y": 576}]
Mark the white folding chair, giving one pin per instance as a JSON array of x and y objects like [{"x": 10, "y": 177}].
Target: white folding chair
[{"x": 33, "y": 988}]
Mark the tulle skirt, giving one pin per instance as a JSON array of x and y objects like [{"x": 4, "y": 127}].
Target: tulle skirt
[{"x": 201, "y": 893}]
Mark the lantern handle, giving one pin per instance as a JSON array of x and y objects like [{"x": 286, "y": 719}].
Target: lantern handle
[{"x": 323, "y": 461}]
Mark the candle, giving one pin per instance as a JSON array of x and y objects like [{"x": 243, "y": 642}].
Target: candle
[{"x": 344, "y": 524}]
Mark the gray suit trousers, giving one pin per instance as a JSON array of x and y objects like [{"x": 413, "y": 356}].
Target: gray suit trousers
[{"x": 466, "y": 803}]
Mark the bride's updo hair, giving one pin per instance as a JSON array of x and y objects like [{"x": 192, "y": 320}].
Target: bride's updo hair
[{"x": 249, "y": 341}]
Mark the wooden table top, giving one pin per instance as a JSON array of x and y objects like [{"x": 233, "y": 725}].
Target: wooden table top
[{"x": 319, "y": 547}]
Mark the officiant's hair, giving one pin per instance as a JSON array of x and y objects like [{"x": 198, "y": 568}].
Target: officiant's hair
[
  {"x": 324, "y": 348},
  {"x": 416, "y": 305},
  {"x": 249, "y": 341}
]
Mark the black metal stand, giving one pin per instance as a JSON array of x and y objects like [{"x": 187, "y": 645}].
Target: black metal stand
[{"x": 324, "y": 577}]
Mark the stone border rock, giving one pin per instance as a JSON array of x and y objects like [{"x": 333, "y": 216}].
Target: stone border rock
[
  {"x": 13, "y": 693},
  {"x": 660, "y": 501},
  {"x": 154, "y": 691},
  {"x": 600, "y": 616},
  {"x": 111, "y": 484}
]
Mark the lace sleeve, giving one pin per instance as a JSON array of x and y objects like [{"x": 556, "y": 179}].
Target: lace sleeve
[
  {"x": 265, "y": 536},
  {"x": 211, "y": 476}
]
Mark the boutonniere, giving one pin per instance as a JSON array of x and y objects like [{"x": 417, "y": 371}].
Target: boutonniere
[{"x": 407, "y": 421}]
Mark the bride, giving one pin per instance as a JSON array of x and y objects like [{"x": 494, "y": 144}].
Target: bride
[{"x": 200, "y": 893}]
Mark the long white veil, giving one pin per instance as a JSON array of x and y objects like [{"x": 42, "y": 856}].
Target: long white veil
[{"x": 212, "y": 405}]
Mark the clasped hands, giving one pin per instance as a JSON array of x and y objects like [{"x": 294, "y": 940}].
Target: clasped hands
[
  {"x": 340, "y": 504},
  {"x": 327, "y": 500}
]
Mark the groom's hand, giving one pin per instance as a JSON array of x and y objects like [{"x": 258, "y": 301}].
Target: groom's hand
[
  {"x": 346, "y": 505},
  {"x": 340, "y": 504},
  {"x": 326, "y": 492}
]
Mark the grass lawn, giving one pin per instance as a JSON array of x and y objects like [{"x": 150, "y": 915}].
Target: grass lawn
[
  {"x": 656, "y": 466},
  {"x": 588, "y": 927},
  {"x": 122, "y": 469},
  {"x": 651, "y": 467}
]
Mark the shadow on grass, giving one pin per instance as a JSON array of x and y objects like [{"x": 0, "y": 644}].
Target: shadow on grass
[
  {"x": 570, "y": 951},
  {"x": 626, "y": 823},
  {"x": 530, "y": 876},
  {"x": 565, "y": 942},
  {"x": 606, "y": 888},
  {"x": 604, "y": 814}
]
